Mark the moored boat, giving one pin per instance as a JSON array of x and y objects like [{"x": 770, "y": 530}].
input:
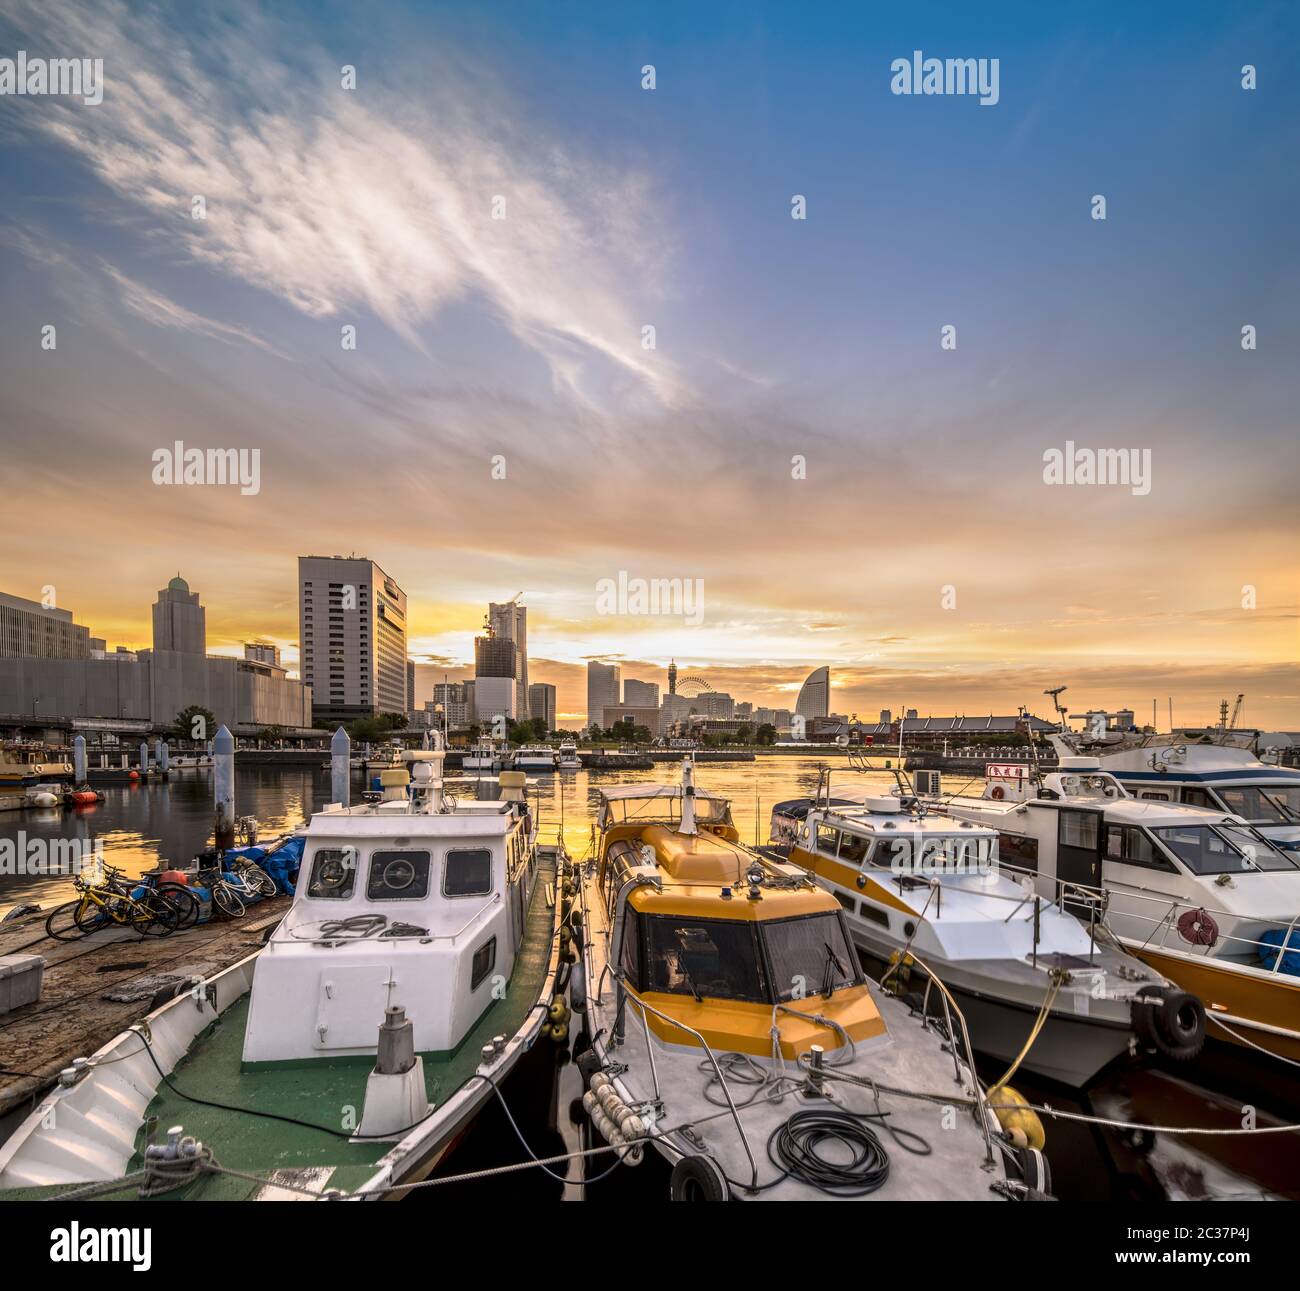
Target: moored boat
[
  {"x": 1036, "y": 984},
  {"x": 1195, "y": 892},
  {"x": 417, "y": 963},
  {"x": 730, "y": 1030}
]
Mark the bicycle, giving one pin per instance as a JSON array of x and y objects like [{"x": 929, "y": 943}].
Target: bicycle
[
  {"x": 254, "y": 880},
  {"x": 225, "y": 894},
  {"x": 116, "y": 901}
]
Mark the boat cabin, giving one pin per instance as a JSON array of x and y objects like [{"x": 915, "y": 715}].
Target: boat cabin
[
  {"x": 416, "y": 901},
  {"x": 709, "y": 939}
]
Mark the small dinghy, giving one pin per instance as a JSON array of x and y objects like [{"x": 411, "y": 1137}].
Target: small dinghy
[
  {"x": 730, "y": 1029},
  {"x": 417, "y": 963}
]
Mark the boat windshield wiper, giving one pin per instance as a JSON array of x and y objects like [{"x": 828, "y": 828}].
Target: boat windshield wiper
[
  {"x": 833, "y": 961},
  {"x": 690, "y": 981}
]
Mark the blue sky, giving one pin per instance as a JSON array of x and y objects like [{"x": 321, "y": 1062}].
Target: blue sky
[{"x": 774, "y": 336}]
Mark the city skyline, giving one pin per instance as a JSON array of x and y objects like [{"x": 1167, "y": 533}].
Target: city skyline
[{"x": 917, "y": 551}]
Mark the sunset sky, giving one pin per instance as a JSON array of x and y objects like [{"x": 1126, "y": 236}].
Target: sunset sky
[{"x": 521, "y": 338}]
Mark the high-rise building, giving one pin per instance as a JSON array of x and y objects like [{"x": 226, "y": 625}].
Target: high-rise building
[
  {"x": 715, "y": 703},
  {"x": 815, "y": 695},
  {"x": 494, "y": 702},
  {"x": 353, "y": 637},
  {"x": 641, "y": 694},
  {"x": 451, "y": 701},
  {"x": 30, "y": 630},
  {"x": 673, "y": 708},
  {"x": 410, "y": 686},
  {"x": 261, "y": 652},
  {"x": 509, "y": 621},
  {"x": 604, "y": 689},
  {"x": 494, "y": 657},
  {"x": 179, "y": 621},
  {"x": 541, "y": 703},
  {"x": 672, "y": 677}
]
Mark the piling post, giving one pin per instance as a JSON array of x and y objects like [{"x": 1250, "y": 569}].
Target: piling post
[
  {"x": 341, "y": 768},
  {"x": 223, "y": 779},
  {"x": 161, "y": 755},
  {"x": 79, "y": 760},
  {"x": 144, "y": 758}
]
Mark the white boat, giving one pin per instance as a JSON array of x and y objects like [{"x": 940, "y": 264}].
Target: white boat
[
  {"x": 417, "y": 963},
  {"x": 919, "y": 885},
  {"x": 535, "y": 757},
  {"x": 730, "y": 1030},
  {"x": 487, "y": 755},
  {"x": 1215, "y": 768},
  {"x": 1198, "y": 893},
  {"x": 569, "y": 760}
]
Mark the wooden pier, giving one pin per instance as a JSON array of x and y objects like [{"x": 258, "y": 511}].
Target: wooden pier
[{"x": 77, "y": 1011}]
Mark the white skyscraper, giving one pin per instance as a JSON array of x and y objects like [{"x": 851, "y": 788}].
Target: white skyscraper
[
  {"x": 510, "y": 622},
  {"x": 604, "y": 690}
]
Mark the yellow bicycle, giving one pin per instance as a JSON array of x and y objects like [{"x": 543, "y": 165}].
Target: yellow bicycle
[{"x": 116, "y": 901}]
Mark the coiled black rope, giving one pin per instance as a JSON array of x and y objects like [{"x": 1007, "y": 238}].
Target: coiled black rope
[{"x": 796, "y": 1149}]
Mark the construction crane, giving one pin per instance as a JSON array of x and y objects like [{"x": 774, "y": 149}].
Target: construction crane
[{"x": 1236, "y": 712}]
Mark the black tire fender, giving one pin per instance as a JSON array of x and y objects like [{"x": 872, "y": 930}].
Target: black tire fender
[
  {"x": 1170, "y": 1021},
  {"x": 578, "y": 988},
  {"x": 698, "y": 1178}
]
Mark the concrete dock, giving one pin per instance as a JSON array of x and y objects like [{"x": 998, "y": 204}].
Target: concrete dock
[{"x": 75, "y": 1014}]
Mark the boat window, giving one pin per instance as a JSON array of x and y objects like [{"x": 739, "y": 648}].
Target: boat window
[
  {"x": 467, "y": 872},
  {"x": 854, "y": 848},
  {"x": 1263, "y": 804},
  {"x": 809, "y": 955},
  {"x": 398, "y": 876},
  {"x": 1019, "y": 852},
  {"x": 485, "y": 960},
  {"x": 1126, "y": 845},
  {"x": 706, "y": 957},
  {"x": 1221, "y": 849},
  {"x": 333, "y": 873},
  {"x": 1198, "y": 798},
  {"x": 629, "y": 957},
  {"x": 1078, "y": 829},
  {"x": 1157, "y": 797},
  {"x": 828, "y": 840}
]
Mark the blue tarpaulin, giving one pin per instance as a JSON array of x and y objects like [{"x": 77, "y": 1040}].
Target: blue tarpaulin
[
  {"x": 1290, "y": 955},
  {"x": 280, "y": 861}
]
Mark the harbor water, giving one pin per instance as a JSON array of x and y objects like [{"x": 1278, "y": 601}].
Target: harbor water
[{"x": 141, "y": 824}]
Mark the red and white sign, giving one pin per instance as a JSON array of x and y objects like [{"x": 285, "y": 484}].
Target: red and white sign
[{"x": 1006, "y": 770}]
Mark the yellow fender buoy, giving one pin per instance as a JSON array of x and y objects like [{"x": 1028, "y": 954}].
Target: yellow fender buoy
[{"x": 1020, "y": 1121}]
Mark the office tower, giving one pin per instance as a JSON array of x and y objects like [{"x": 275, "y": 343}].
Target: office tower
[
  {"x": 509, "y": 621},
  {"x": 410, "y": 686},
  {"x": 179, "y": 621},
  {"x": 640, "y": 694},
  {"x": 604, "y": 689},
  {"x": 30, "y": 630},
  {"x": 541, "y": 703},
  {"x": 353, "y": 634}
]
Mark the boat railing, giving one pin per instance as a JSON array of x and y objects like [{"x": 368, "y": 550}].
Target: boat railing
[
  {"x": 1161, "y": 913},
  {"x": 627, "y": 996}
]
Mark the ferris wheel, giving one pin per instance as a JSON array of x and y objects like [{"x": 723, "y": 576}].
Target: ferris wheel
[{"x": 691, "y": 687}]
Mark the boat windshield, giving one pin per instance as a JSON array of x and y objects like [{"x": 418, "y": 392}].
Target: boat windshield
[
  {"x": 1221, "y": 849},
  {"x": 652, "y": 807},
  {"x": 809, "y": 955},
  {"x": 1262, "y": 804}
]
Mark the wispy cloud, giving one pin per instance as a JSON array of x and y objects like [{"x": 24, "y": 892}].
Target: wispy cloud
[
  {"x": 162, "y": 311},
  {"x": 337, "y": 200}
]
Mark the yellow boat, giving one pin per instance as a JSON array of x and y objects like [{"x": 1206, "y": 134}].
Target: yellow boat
[{"x": 729, "y": 1028}]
